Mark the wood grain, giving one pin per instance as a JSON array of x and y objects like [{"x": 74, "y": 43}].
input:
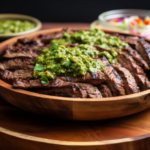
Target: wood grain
[
  {"x": 20, "y": 130},
  {"x": 72, "y": 108}
]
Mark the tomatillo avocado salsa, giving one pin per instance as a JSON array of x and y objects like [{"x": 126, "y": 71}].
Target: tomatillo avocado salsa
[
  {"x": 91, "y": 37},
  {"x": 15, "y": 26},
  {"x": 59, "y": 60},
  {"x": 72, "y": 61}
]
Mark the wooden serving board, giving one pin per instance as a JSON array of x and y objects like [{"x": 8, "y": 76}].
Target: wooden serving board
[{"x": 20, "y": 130}]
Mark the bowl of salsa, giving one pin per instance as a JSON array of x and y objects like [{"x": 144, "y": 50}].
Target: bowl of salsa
[
  {"x": 12, "y": 25},
  {"x": 128, "y": 21}
]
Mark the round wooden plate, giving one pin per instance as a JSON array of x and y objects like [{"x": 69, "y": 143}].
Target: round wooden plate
[
  {"x": 72, "y": 108},
  {"x": 20, "y": 130}
]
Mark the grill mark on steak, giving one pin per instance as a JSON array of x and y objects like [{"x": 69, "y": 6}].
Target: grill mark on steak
[
  {"x": 105, "y": 90},
  {"x": 83, "y": 90},
  {"x": 112, "y": 80},
  {"x": 128, "y": 80},
  {"x": 93, "y": 75},
  {"x": 137, "y": 58},
  {"x": 143, "y": 48},
  {"x": 17, "y": 63},
  {"x": 22, "y": 53}
]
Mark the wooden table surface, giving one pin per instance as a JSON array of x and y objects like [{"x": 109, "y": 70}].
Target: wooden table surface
[{"x": 20, "y": 130}]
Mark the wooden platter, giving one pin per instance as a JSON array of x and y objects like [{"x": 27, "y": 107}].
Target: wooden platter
[
  {"x": 20, "y": 130},
  {"x": 72, "y": 108}
]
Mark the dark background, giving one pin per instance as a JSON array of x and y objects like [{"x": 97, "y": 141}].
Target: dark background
[{"x": 68, "y": 10}]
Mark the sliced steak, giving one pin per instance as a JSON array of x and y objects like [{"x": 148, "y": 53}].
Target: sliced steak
[
  {"x": 17, "y": 63},
  {"x": 137, "y": 57},
  {"x": 93, "y": 78},
  {"x": 113, "y": 79},
  {"x": 68, "y": 90},
  {"x": 128, "y": 80},
  {"x": 47, "y": 38},
  {"x": 128, "y": 62},
  {"x": 143, "y": 82},
  {"x": 90, "y": 77},
  {"x": 131, "y": 40},
  {"x": 105, "y": 90},
  {"x": 143, "y": 48},
  {"x": 18, "y": 74},
  {"x": 27, "y": 42},
  {"x": 21, "y": 53},
  {"x": 58, "y": 86}
]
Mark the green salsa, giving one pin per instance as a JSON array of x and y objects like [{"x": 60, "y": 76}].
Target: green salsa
[
  {"x": 91, "y": 37},
  {"x": 15, "y": 26},
  {"x": 59, "y": 60},
  {"x": 62, "y": 61}
]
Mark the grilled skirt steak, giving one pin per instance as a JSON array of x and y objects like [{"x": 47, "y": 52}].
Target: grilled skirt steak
[
  {"x": 47, "y": 38},
  {"x": 17, "y": 63},
  {"x": 93, "y": 78},
  {"x": 18, "y": 74},
  {"x": 22, "y": 53},
  {"x": 105, "y": 90},
  {"x": 113, "y": 79},
  {"x": 90, "y": 77},
  {"x": 126, "y": 76},
  {"x": 143, "y": 48},
  {"x": 58, "y": 86},
  {"x": 131, "y": 40},
  {"x": 128, "y": 80},
  {"x": 128, "y": 62},
  {"x": 137, "y": 57}
]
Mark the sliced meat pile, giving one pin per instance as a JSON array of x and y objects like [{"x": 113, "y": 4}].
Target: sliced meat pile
[
  {"x": 126, "y": 76},
  {"x": 82, "y": 90}
]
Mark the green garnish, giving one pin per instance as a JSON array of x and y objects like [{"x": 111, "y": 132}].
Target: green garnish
[
  {"x": 38, "y": 67},
  {"x": 44, "y": 80}
]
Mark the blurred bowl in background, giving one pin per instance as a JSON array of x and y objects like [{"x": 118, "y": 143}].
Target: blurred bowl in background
[
  {"x": 20, "y": 17},
  {"x": 104, "y": 18}
]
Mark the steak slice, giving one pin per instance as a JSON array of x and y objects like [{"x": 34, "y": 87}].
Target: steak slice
[
  {"x": 27, "y": 53},
  {"x": 47, "y": 38},
  {"x": 105, "y": 90},
  {"x": 137, "y": 57},
  {"x": 18, "y": 74},
  {"x": 128, "y": 62},
  {"x": 143, "y": 48},
  {"x": 93, "y": 78},
  {"x": 29, "y": 43},
  {"x": 131, "y": 40},
  {"x": 17, "y": 63},
  {"x": 90, "y": 77},
  {"x": 58, "y": 86},
  {"x": 113, "y": 79},
  {"x": 128, "y": 80},
  {"x": 143, "y": 82}
]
